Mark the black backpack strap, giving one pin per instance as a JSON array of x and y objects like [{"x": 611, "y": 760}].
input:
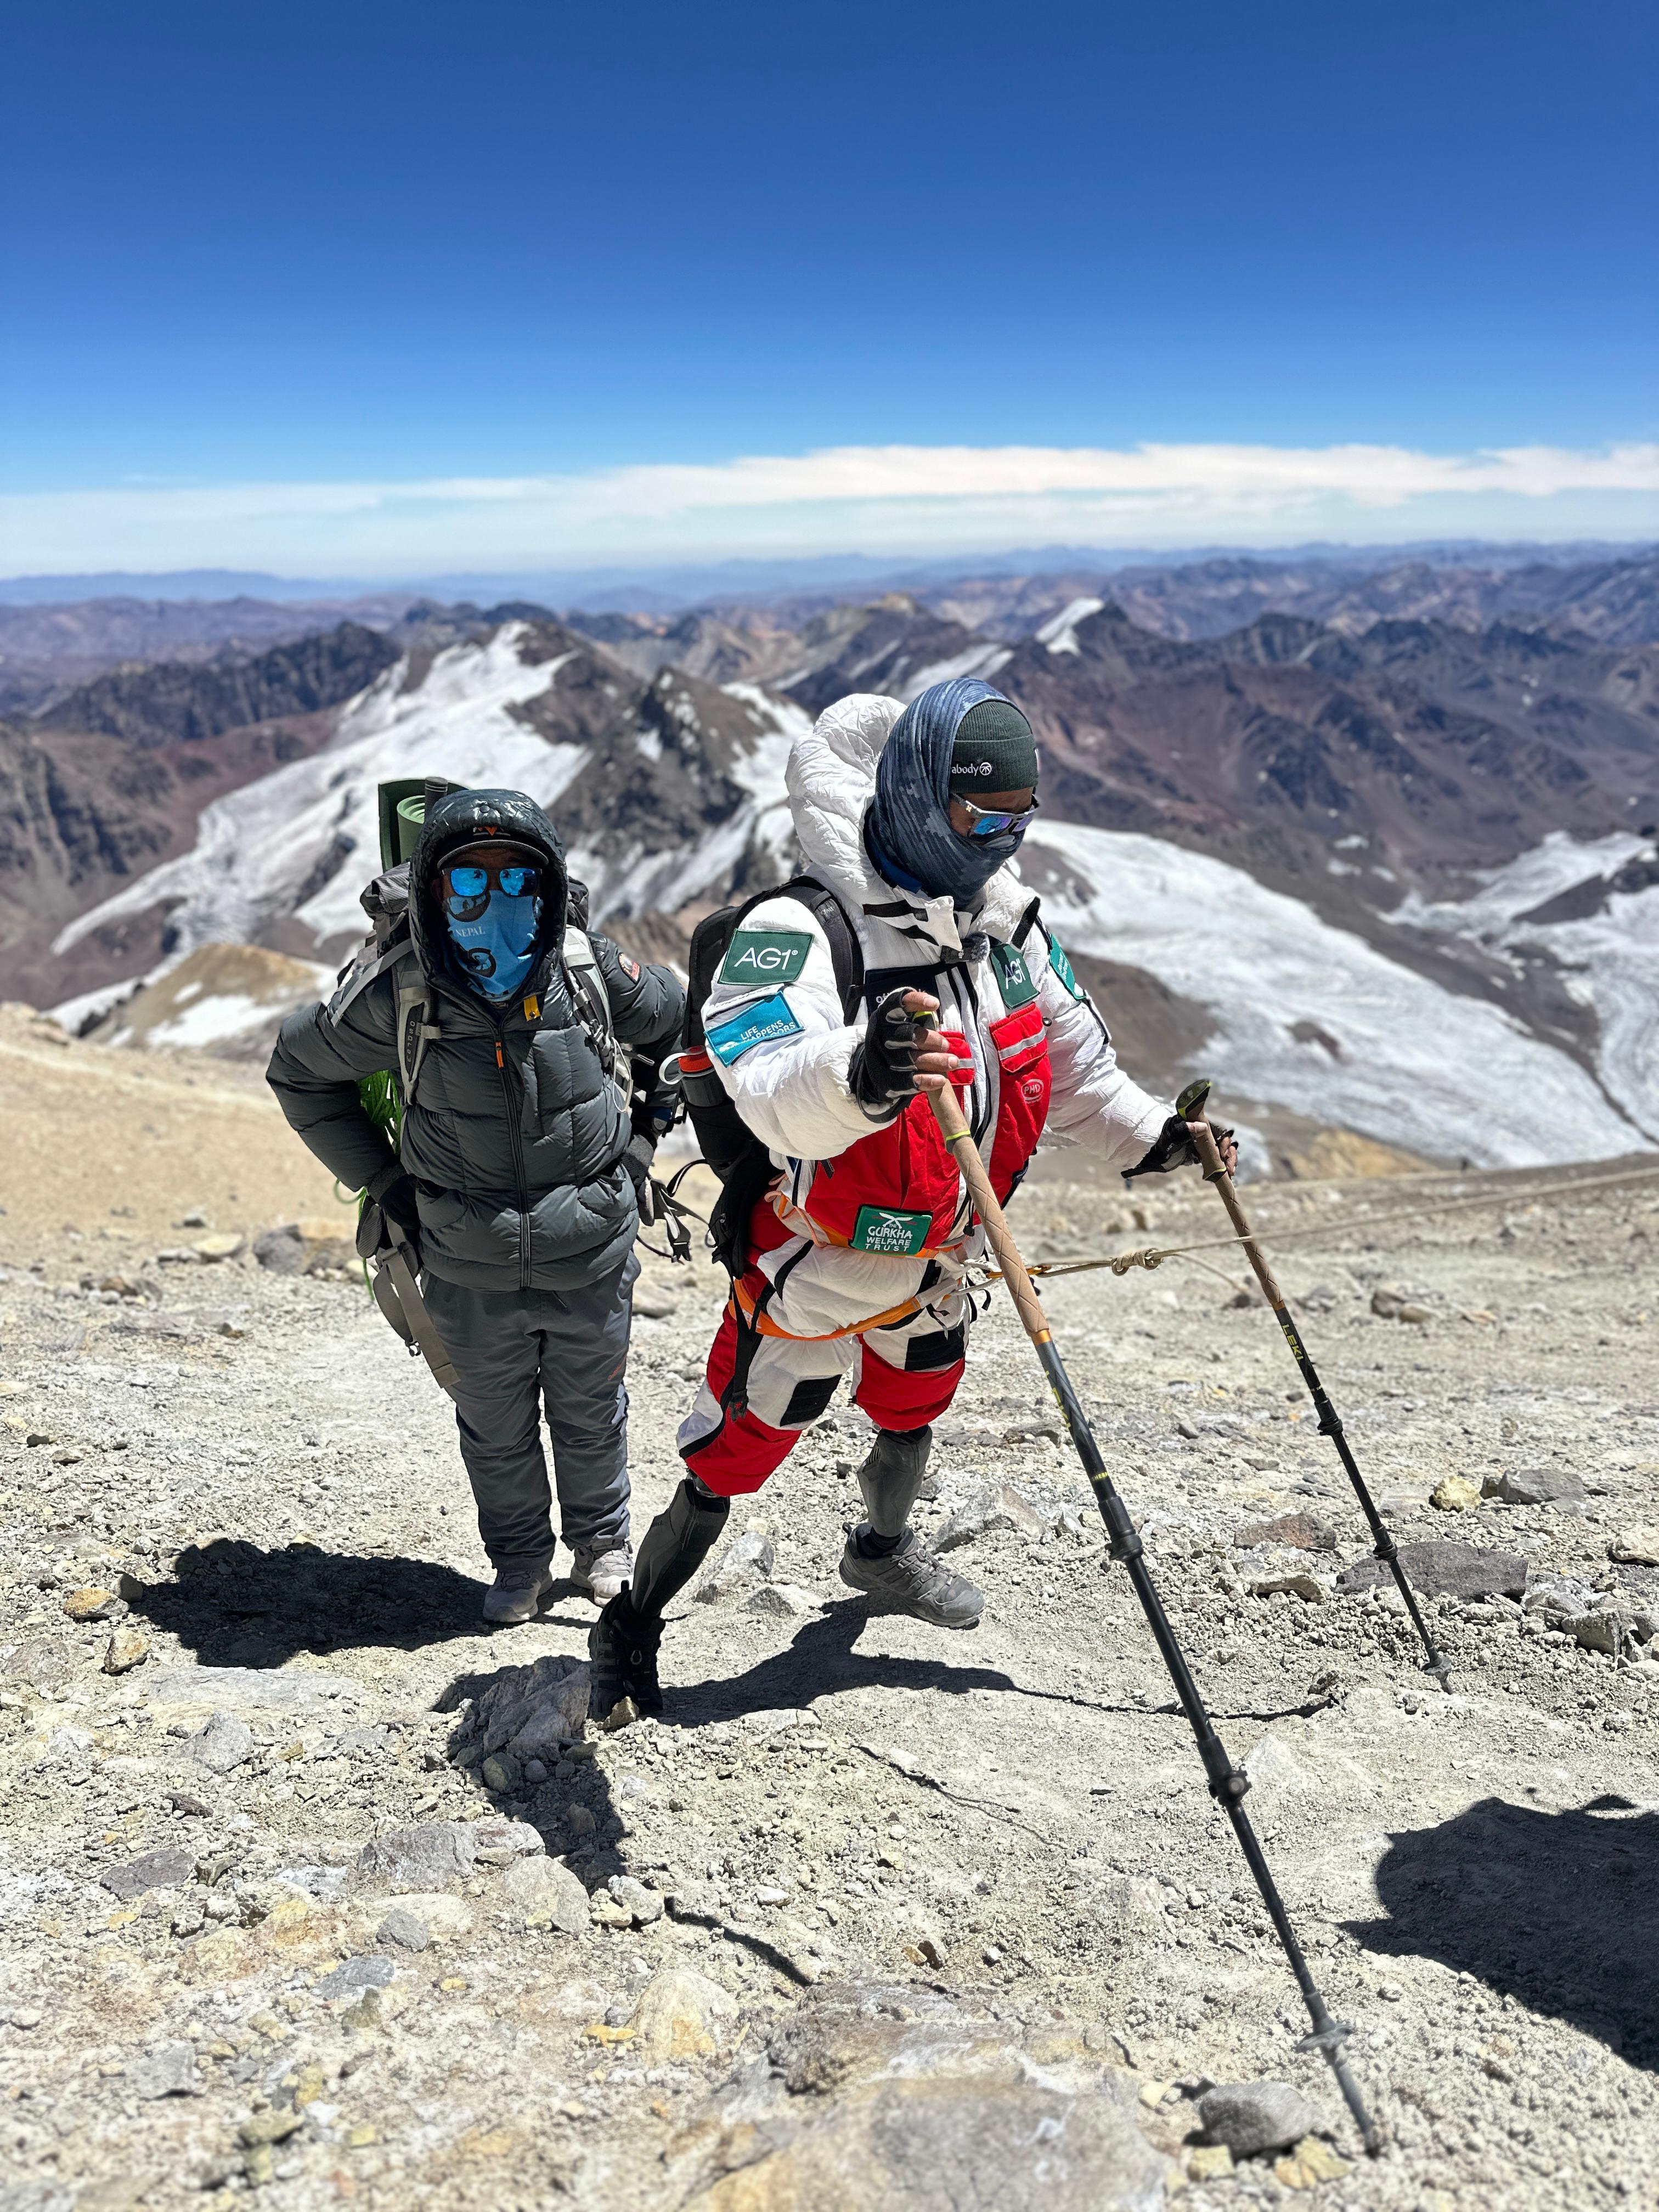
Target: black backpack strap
[
  {"x": 704, "y": 956},
  {"x": 832, "y": 918},
  {"x": 1023, "y": 928}
]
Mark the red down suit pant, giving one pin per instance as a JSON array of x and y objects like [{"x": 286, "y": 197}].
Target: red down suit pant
[{"x": 759, "y": 1392}]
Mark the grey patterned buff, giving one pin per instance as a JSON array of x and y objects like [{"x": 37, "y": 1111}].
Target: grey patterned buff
[{"x": 908, "y": 825}]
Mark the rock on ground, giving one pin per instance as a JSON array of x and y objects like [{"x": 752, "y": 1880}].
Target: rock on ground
[
  {"x": 542, "y": 1893},
  {"x": 747, "y": 1560},
  {"x": 1254, "y": 2117},
  {"x": 530, "y": 1712},
  {"x": 1440, "y": 1567},
  {"x": 932, "y": 1896},
  {"x": 681, "y": 2015}
]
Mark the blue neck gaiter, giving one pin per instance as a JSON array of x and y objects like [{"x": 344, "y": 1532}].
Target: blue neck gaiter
[
  {"x": 496, "y": 951},
  {"x": 910, "y": 817}
]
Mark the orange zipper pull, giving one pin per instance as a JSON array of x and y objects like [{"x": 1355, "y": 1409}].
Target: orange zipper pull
[{"x": 500, "y": 1062}]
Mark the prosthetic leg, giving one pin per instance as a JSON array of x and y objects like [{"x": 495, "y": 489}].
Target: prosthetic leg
[
  {"x": 883, "y": 1557},
  {"x": 621, "y": 1644}
]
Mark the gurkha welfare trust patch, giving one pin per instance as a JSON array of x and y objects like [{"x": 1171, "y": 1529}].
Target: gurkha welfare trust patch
[
  {"x": 765, "y": 955},
  {"x": 886, "y": 1229},
  {"x": 757, "y": 1025}
]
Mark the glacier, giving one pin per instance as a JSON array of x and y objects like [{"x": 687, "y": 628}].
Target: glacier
[{"x": 1415, "y": 1066}]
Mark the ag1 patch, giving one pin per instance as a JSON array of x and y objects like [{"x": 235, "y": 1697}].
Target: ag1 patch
[
  {"x": 1014, "y": 976},
  {"x": 757, "y": 1025},
  {"x": 1062, "y": 967},
  {"x": 887, "y": 1229},
  {"x": 765, "y": 955}
]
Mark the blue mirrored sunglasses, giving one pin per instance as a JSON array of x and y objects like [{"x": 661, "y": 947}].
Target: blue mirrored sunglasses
[
  {"x": 466, "y": 889},
  {"x": 991, "y": 822}
]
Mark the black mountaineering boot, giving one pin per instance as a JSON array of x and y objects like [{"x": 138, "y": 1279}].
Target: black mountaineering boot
[
  {"x": 621, "y": 1644},
  {"x": 621, "y": 1653}
]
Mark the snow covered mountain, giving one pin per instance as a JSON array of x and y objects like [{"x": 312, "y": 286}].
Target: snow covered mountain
[
  {"x": 666, "y": 792},
  {"x": 1299, "y": 861},
  {"x": 1313, "y": 1018}
]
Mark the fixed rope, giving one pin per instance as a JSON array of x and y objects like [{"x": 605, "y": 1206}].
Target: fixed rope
[{"x": 1153, "y": 1255}]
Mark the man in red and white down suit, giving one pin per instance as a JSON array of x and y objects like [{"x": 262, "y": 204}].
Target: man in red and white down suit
[{"x": 858, "y": 1254}]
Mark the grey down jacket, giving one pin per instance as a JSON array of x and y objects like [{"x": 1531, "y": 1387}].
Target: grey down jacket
[{"x": 516, "y": 1135}]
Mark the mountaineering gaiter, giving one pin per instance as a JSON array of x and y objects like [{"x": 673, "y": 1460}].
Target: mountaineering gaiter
[
  {"x": 495, "y": 949},
  {"x": 909, "y": 817}
]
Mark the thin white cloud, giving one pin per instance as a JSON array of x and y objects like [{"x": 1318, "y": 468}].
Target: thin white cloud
[{"x": 877, "y": 497}]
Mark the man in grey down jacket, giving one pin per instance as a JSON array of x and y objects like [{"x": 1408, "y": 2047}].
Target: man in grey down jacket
[{"x": 521, "y": 1162}]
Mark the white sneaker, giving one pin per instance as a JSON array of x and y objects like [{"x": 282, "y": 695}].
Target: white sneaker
[{"x": 603, "y": 1574}]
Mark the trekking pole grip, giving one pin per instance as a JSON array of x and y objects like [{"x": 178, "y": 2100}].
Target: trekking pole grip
[{"x": 1190, "y": 1106}]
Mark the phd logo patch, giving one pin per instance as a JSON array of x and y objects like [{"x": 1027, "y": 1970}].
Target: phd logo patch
[{"x": 765, "y": 955}]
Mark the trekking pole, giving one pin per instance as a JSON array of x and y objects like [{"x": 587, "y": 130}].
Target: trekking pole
[
  {"x": 1190, "y": 1107},
  {"x": 1227, "y": 1783}
]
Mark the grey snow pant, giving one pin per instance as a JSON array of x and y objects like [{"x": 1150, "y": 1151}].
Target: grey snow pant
[{"x": 512, "y": 1350}]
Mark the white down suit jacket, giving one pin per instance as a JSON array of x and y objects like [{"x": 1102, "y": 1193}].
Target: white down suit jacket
[{"x": 781, "y": 1043}]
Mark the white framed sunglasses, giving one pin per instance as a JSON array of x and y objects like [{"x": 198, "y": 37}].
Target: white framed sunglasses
[{"x": 992, "y": 820}]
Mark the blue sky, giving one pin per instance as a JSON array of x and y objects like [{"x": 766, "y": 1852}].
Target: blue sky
[{"x": 367, "y": 288}]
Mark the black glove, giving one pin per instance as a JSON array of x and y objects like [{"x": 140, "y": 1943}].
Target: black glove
[
  {"x": 637, "y": 1160},
  {"x": 390, "y": 1197},
  {"x": 882, "y": 1072},
  {"x": 653, "y": 1104},
  {"x": 1174, "y": 1149}
]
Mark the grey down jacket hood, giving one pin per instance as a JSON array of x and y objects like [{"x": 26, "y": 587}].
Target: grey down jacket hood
[{"x": 516, "y": 1133}]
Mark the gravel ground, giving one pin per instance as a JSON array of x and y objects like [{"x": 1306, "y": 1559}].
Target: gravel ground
[{"x": 876, "y": 1911}]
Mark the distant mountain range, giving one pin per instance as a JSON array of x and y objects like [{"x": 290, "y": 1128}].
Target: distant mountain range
[
  {"x": 1395, "y": 870},
  {"x": 47, "y": 649},
  {"x": 672, "y": 589}
]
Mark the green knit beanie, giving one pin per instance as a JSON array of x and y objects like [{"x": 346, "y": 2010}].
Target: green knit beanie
[{"x": 994, "y": 751}]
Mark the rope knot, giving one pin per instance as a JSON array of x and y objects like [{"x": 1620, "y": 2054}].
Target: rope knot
[{"x": 1148, "y": 1257}]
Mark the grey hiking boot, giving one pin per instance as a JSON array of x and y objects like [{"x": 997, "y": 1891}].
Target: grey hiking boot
[
  {"x": 518, "y": 1594},
  {"x": 911, "y": 1580},
  {"x": 603, "y": 1571}
]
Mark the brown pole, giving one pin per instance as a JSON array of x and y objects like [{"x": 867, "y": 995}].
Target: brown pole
[{"x": 953, "y": 1127}]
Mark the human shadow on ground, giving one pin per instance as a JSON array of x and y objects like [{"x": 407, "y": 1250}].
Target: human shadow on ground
[
  {"x": 577, "y": 1814},
  {"x": 235, "y": 1605},
  {"x": 820, "y": 1659},
  {"x": 1559, "y": 1909}
]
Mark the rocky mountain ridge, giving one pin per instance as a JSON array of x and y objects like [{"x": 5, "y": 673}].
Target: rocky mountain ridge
[{"x": 1468, "y": 813}]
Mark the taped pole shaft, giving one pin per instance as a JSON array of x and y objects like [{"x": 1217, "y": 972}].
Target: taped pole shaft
[
  {"x": 1190, "y": 1106},
  {"x": 1227, "y": 1783}
]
